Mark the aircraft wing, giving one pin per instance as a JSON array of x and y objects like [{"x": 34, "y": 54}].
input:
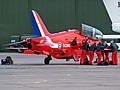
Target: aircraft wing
[
  {"x": 11, "y": 48},
  {"x": 14, "y": 43}
]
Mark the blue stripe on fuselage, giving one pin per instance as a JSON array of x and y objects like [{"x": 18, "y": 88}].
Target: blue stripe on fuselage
[{"x": 35, "y": 28}]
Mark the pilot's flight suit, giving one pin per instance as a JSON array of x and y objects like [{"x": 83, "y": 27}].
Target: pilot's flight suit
[
  {"x": 114, "y": 49},
  {"x": 100, "y": 47},
  {"x": 84, "y": 47},
  {"x": 91, "y": 53}
]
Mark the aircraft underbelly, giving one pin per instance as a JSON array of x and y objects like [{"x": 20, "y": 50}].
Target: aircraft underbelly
[{"x": 68, "y": 54}]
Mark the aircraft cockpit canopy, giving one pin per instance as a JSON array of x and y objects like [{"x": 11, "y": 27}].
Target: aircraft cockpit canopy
[{"x": 91, "y": 32}]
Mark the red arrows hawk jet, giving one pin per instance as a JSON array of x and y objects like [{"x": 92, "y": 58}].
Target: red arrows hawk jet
[{"x": 59, "y": 45}]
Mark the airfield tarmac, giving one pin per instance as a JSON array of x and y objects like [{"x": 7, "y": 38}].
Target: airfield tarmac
[{"x": 30, "y": 73}]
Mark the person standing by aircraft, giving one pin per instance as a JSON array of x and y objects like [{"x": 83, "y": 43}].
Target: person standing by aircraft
[
  {"x": 85, "y": 48},
  {"x": 114, "y": 49},
  {"x": 106, "y": 52},
  {"x": 91, "y": 50},
  {"x": 99, "y": 48},
  {"x": 103, "y": 57},
  {"x": 74, "y": 42}
]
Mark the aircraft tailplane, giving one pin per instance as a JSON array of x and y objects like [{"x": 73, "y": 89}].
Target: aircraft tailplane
[{"x": 39, "y": 28}]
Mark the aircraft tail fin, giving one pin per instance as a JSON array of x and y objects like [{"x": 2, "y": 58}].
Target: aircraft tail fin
[
  {"x": 39, "y": 28},
  {"x": 113, "y": 9}
]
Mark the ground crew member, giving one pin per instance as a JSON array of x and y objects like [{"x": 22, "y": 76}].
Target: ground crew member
[
  {"x": 91, "y": 52},
  {"x": 74, "y": 42},
  {"x": 85, "y": 48},
  {"x": 99, "y": 49},
  {"x": 103, "y": 52},
  {"x": 106, "y": 52},
  {"x": 114, "y": 48}
]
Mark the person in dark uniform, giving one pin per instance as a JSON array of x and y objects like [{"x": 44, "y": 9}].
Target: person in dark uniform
[
  {"x": 99, "y": 49},
  {"x": 114, "y": 48},
  {"x": 106, "y": 52},
  {"x": 74, "y": 42},
  {"x": 91, "y": 50},
  {"x": 85, "y": 48}
]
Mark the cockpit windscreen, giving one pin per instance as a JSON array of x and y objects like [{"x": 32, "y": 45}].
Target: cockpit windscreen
[{"x": 91, "y": 32}]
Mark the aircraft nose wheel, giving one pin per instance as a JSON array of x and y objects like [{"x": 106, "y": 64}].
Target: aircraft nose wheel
[{"x": 47, "y": 60}]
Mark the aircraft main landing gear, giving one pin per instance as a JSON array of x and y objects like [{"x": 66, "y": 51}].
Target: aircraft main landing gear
[{"x": 47, "y": 60}]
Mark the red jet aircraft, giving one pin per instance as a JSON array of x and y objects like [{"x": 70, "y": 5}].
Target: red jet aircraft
[{"x": 58, "y": 45}]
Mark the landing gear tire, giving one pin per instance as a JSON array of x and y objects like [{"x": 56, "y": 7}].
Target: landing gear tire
[{"x": 47, "y": 60}]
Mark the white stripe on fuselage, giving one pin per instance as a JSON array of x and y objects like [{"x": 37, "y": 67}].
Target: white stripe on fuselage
[
  {"x": 38, "y": 23},
  {"x": 55, "y": 45}
]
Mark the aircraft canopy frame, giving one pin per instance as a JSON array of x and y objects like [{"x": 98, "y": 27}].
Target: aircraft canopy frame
[{"x": 91, "y": 32}]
